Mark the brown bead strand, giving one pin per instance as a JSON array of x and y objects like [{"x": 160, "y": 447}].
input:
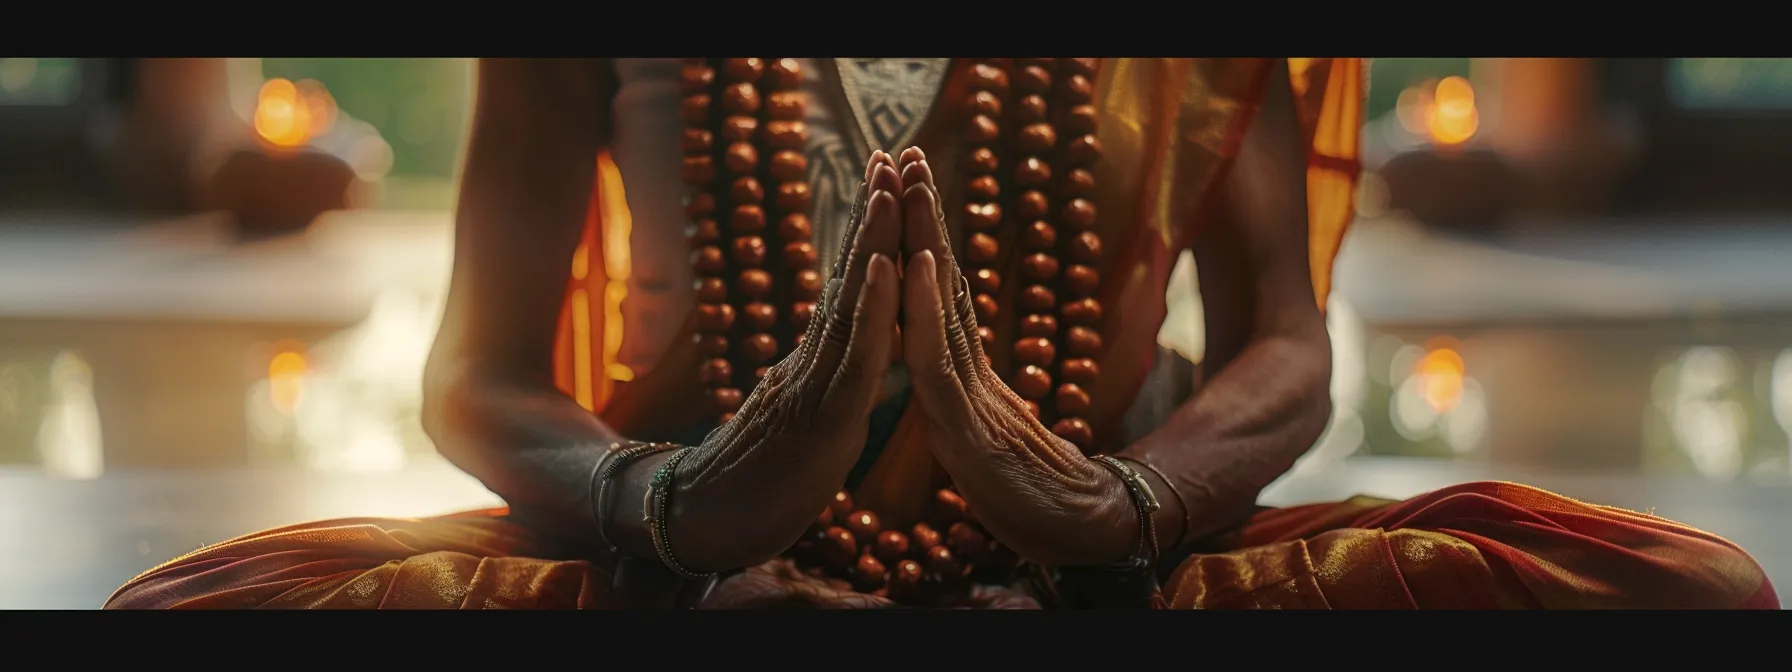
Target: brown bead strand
[
  {"x": 715, "y": 315},
  {"x": 1034, "y": 349},
  {"x": 785, "y": 136},
  {"x": 1079, "y": 310}
]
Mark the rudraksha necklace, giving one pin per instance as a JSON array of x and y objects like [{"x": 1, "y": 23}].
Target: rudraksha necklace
[{"x": 1031, "y": 130}]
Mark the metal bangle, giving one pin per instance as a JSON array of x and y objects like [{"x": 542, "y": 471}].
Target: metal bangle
[
  {"x": 1145, "y": 501},
  {"x": 1188, "y": 515},
  {"x": 620, "y": 456},
  {"x": 656, "y": 505}
]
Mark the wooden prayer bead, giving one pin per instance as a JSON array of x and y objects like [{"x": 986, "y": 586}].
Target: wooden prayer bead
[
  {"x": 948, "y": 507},
  {"x": 799, "y": 254},
  {"x": 742, "y": 69},
  {"x": 786, "y": 134},
  {"x": 983, "y": 216},
  {"x": 966, "y": 541},
  {"x": 982, "y": 130},
  {"x": 759, "y": 348},
  {"x": 697, "y": 78},
  {"x": 794, "y": 196},
  {"x": 1081, "y": 311},
  {"x": 1036, "y": 138},
  {"x": 1032, "y": 383},
  {"x": 712, "y": 290},
  {"x": 761, "y": 372},
  {"x": 1032, "y": 79},
  {"x": 864, "y": 526},
  {"x": 989, "y": 78},
  {"x": 869, "y": 574},
  {"x": 1081, "y": 280},
  {"x": 806, "y": 286},
  {"x": 1078, "y": 214},
  {"x": 709, "y": 260},
  {"x": 1037, "y": 298},
  {"x": 1040, "y": 236},
  {"x": 795, "y": 227},
  {"x": 784, "y": 106},
  {"x": 823, "y": 520},
  {"x": 1084, "y": 150},
  {"x": 699, "y": 204},
  {"x": 1079, "y": 120},
  {"x": 906, "y": 580},
  {"x": 727, "y": 398},
  {"x": 715, "y": 317},
  {"x": 985, "y": 187},
  {"x": 837, "y": 547},
  {"x": 924, "y": 537},
  {"x": 749, "y": 251},
  {"x": 1032, "y": 205},
  {"x": 747, "y": 219},
  {"x": 983, "y": 161},
  {"x": 986, "y": 308},
  {"x": 713, "y": 345},
  {"x": 759, "y": 316},
  {"x": 784, "y": 73},
  {"x": 725, "y": 417},
  {"x": 985, "y": 280},
  {"x": 697, "y": 141},
  {"x": 1082, "y": 66},
  {"x": 1075, "y": 431},
  {"x": 942, "y": 563},
  {"x": 703, "y": 232},
  {"x": 1080, "y": 371},
  {"x": 1085, "y": 247},
  {"x": 739, "y": 128},
  {"x": 1039, "y": 326},
  {"x": 801, "y": 312},
  {"x": 740, "y": 99},
  {"x": 1034, "y": 351},
  {"x": 986, "y": 104},
  {"x": 987, "y": 337},
  {"x": 717, "y": 371},
  {"x": 746, "y": 190},
  {"x": 699, "y": 170},
  {"x": 1030, "y": 110},
  {"x": 892, "y": 546},
  {"x": 1032, "y": 409},
  {"x": 1032, "y": 172},
  {"x": 1079, "y": 182},
  {"x": 695, "y": 109},
  {"x": 1039, "y": 267},
  {"x": 1078, "y": 89},
  {"x": 741, "y": 157},
  {"x": 1072, "y": 400},
  {"x": 981, "y": 248},
  {"x": 789, "y": 165}
]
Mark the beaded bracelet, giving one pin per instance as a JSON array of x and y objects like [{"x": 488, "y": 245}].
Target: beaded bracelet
[
  {"x": 656, "y": 504},
  {"x": 1146, "y": 502},
  {"x": 619, "y": 457}
]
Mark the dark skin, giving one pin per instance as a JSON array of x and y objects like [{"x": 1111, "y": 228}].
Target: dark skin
[{"x": 492, "y": 407}]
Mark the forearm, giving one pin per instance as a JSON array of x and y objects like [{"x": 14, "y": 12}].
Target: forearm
[{"x": 1236, "y": 436}]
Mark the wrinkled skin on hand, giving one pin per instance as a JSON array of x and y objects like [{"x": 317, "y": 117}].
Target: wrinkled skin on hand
[
  {"x": 1033, "y": 491},
  {"x": 754, "y": 485}
]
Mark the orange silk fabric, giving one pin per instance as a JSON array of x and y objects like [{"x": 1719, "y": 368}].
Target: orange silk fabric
[{"x": 1473, "y": 546}]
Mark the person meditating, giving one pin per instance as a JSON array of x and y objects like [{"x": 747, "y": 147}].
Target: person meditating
[{"x": 964, "y": 406}]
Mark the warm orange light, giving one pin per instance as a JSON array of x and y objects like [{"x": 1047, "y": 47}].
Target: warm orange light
[
  {"x": 1452, "y": 118},
  {"x": 1413, "y": 109},
  {"x": 286, "y": 380},
  {"x": 1440, "y": 374},
  {"x": 290, "y": 115},
  {"x": 320, "y": 106}
]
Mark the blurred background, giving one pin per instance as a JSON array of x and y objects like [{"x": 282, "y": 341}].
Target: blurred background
[{"x": 219, "y": 279}]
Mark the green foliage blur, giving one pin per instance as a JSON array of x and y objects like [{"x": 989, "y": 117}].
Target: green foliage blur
[{"x": 419, "y": 105}]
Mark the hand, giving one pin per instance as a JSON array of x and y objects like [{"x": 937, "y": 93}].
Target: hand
[
  {"x": 1033, "y": 491},
  {"x": 754, "y": 485}
]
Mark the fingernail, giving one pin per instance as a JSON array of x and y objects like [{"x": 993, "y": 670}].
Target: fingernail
[{"x": 875, "y": 273}]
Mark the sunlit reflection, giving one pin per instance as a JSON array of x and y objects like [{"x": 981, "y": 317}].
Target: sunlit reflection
[
  {"x": 1453, "y": 118},
  {"x": 286, "y": 379},
  {"x": 1708, "y": 426},
  {"x": 68, "y": 442},
  {"x": 1436, "y": 396},
  {"x": 1440, "y": 377},
  {"x": 290, "y": 115}
]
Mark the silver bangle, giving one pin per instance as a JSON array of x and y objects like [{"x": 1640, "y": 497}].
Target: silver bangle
[
  {"x": 655, "y": 507},
  {"x": 1145, "y": 501},
  {"x": 619, "y": 457}
]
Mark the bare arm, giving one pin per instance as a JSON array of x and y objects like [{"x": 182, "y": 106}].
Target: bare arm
[
  {"x": 1268, "y": 359},
  {"x": 490, "y": 402}
]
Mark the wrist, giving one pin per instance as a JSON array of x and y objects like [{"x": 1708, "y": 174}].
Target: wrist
[{"x": 1172, "y": 516}]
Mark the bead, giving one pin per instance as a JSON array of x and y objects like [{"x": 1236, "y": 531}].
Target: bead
[
  {"x": 982, "y": 216},
  {"x": 985, "y": 280},
  {"x": 1036, "y": 138},
  {"x": 759, "y": 348},
  {"x": 1085, "y": 247},
  {"x": 794, "y": 196},
  {"x": 966, "y": 541},
  {"x": 941, "y": 563},
  {"x": 806, "y": 286},
  {"x": 1032, "y": 205},
  {"x": 739, "y": 128},
  {"x": 1032, "y": 408},
  {"x": 986, "y": 308},
  {"x": 1072, "y": 400},
  {"x": 1030, "y": 110},
  {"x": 742, "y": 69},
  {"x": 841, "y": 504},
  {"x": 697, "y": 78},
  {"x": 788, "y": 165},
  {"x": 1084, "y": 150},
  {"x": 699, "y": 170},
  {"x": 747, "y": 219},
  {"x": 824, "y": 520},
  {"x": 786, "y": 134},
  {"x": 906, "y": 580},
  {"x": 709, "y": 260},
  {"x": 761, "y": 372},
  {"x": 863, "y": 525},
  {"x": 869, "y": 574},
  {"x": 716, "y": 372},
  {"x": 1032, "y": 383},
  {"x": 1034, "y": 351},
  {"x": 725, "y": 417},
  {"x": 1032, "y": 172},
  {"x": 727, "y": 398},
  {"x": 749, "y": 251},
  {"x": 1079, "y": 119},
  {"x": 1047, "y": 63},
  {"x": 1040, "y": 236},
  {"x": 800, "y": 254},
  {"x": 892, "y": 546},
  {"x": 1078, "y": 89},
  {"x": 1079, "y": 182},
  {"x": 1081, "y": 311},
  {"x": 1078, "y": 214},
  {"x": 715, "y": 317},
  {"x": 759, "y": 315},
  {"x": 987, "y": 337},
  {"x": 697, "y": 141},
  {"x": 837, "y": 547},
  {"x": 795, "y": 227},
  {"x": 741, "y": 157},
  {"x": 784, "y": 73},
  {"x": 983, "y": 129},
  {"x": 1032, "y": 79},
  {"x": 1081, "y": 280},
  {"x": 981, "y": 248},
  {"x": 695, "y": 109},
  {"x": 784, "y": 106},
  {"x": 984, "y": 161},
  {"x": 1038, "y": 298},
  {"x": 989, "y": 78},
  {"x": 985, "y": 187},
  {"x": 1039, "y": 326},
  {"x": 746, "y": 190},
  {"x": 1039, "y": 267},
  {"x": 1075, "y": 431},
  {"x": 712, "y": 290},
  {"x": 1080, "y": 371},
  {"x": 740, "y": 99},
  {"x": 699, "y": 204},
  {"x": 1082, "y": 66},
  {"x": 924, "y": 537},
  {"x": 713, "y": 345},
  {"x": 948, "y": 507},
  {"x": 703, "y": 232},
  {"x": 801, "y": 312},
  {"x": 986, "y": 104}
]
